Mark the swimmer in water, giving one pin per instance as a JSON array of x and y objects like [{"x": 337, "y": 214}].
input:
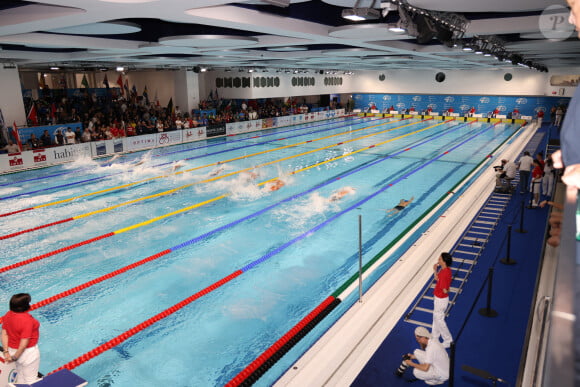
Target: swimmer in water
[
  {"x": 341, "y": 193},
  {"x": 399, "y": 207},
  {"x": 177, "y": 166},
  {"x": 217, "y": 171},
  {"x": 275, "y": 185}
]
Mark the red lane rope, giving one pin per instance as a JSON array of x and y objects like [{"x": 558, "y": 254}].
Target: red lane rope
[
  {"x": 246, "y": 372},
  {"x": 145, "y": 324},
  {"x": 16, "y": 212},
  {"x": 54, "y": 252},
  {"x": 35, "y": 228},
  {"x": 95, "y": 281}
]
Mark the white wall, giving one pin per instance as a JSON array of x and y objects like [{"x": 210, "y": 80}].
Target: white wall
[{"x": 11, "y": 97}]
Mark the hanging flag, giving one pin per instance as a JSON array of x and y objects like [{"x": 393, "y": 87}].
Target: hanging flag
[
  {"x": 42, "y": 81},
  {"x": 156, "y": 99},
  {"x": 85, "y": 82},
  {"x": 120, "y": 83},
  {"x": 127, "y": 87},
  {"x": 210, "y": 95},
  {"x": 16, "y": 136},
  {"x": 32, "y": 115},
  {"x": 106, "y": 82},
  {"x": 146, "y": 95},
  {"x": 62, "y": 81},
  {"x": 170, "y": 107},
  {"x": 53, "y": 112},
  {"x": 134, "y": 90}
]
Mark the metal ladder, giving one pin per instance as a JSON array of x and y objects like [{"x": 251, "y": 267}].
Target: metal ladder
[{"x": 466, "y": 253}]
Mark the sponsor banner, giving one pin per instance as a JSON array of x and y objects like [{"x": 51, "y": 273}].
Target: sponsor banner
[
  {"x": 215, "y": 130},
  {"x": 236, "y": 127},
  {"x": 484, "y": 105},
  {"x": 169, "y": 138},
  {"x": 268, "y": 123},
  {"x": 144, "y": 141},
  {"x": 194, "y": 134}
]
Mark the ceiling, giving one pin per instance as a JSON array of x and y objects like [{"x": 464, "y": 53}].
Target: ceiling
[{"x": 305, "y": 35}]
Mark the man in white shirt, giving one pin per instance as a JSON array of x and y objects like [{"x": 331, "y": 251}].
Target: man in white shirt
[
  {"x": 69, "y": 136},
  {"x": 433, "y": 361},
  {"x": 525, "y": 167},
  {"x": 505, "y": 174}
]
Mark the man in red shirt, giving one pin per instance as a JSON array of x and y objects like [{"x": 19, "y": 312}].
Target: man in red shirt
[{"x": 443, "y": 276}]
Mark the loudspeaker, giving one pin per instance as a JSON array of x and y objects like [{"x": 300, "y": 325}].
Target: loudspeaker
[
  {"x": 425, "y": 29},
  {"x": 196, "y": 69},
  {"x": 507, "y": 77},
  {"x": 321, "y": 72},
  {"x": 382, "y": 77},
  {"x": 440, "y": 77}
]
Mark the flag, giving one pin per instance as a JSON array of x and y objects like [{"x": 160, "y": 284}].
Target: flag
[
  {"x": 127, "y": 87},
  {"x": 120, "y": 83},
  {"x": 32, "y": 116},
  {"x": 42, "y": 82},
  {"x": 85, "y": 82},
  {"x": 106, "y": 82},
  {"x": 156, "y": 99},
  {"x": 16, "y": 136},
  {"x": 170, "y": 107},
  {"x": 53, "y": 111},
  {"x": 210, "y": 95},
  {"x": 146, "y": 95},
  {"x": 134, "y": 90},
  {"x": 62, "y": 82}
]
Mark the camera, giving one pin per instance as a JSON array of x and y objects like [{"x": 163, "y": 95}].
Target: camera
[{"x": 401, "y": 370}]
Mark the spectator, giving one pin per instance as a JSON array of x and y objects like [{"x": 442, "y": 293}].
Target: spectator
[
  {"x": 11, "y": 147},
  {"x": 525, "y": 167},
  {"x": 548, "y": 178},
  {"x": 33, "y": 142},
  {"x": 537, "y": 175},
  {"x": 20, "y": 333},
  {"x": 45, "y": 139},
  {"x": 432, "y": 361},
  {"x": 443, "y": 277},
  {"x": 58, "y": 138},
  {"x": 69, "y": 136}
]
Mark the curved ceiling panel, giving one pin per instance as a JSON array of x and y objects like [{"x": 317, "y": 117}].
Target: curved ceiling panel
[
  {"x": 485, "y": 6},
  {"x": 207, "y": 41},
  {"x": 106, "y": 28}
]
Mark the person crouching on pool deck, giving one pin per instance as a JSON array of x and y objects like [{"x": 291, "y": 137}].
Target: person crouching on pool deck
[
  {"x": 432, "y": 364},
  {"x": 341, "y": 193},
  {"x": 401, "y": 206},
  {"x": 20, "y": 332},
  {"x": 441, "y": 298}
]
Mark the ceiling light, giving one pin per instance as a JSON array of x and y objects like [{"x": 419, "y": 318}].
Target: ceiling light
[
  {"x": 54, "y": 68},
  {"x": 203, "y": 69},
  {"x": 120, "y": 68}
]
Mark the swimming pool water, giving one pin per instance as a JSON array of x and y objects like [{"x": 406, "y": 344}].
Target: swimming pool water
[{"x": 303, "y": 246}]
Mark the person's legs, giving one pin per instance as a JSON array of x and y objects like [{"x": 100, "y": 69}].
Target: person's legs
[
  {"x": 428, "y": 377},
  {"x": 27, "y": 365},
  {"x": 439, "y": 325},
  {"x": 524, "y": 181}
]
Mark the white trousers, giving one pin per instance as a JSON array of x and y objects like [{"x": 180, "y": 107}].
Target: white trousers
[
  {"x": 27, "y": 365},
  {"x": 429, "y": 377},
  {"x": 439, "y": 326}
]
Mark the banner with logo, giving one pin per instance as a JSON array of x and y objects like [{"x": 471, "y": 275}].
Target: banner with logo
[
  {"x": 462, "y": 104},
  {"x": 52, "y": 129}
]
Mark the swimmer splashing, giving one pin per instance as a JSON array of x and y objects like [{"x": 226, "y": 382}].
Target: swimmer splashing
[{"x": 400, "y": 207}]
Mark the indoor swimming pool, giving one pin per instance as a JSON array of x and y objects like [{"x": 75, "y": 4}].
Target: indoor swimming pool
[{"x": 181, "y": 265}]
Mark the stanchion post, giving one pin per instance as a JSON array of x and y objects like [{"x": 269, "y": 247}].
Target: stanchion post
[
  {"x": 360, "y": 292},
  {"x": 487, "y": 311},
  {"x": 521, "y": 229},
  {"x": 452, "y": 364},
  {"x": 507, "y": 260}
]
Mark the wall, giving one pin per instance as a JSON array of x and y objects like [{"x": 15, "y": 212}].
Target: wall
[{"x": 11, "y": 102}]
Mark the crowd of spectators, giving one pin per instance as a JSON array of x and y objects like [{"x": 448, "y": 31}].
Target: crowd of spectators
[{"x": 105, "y": 118}]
